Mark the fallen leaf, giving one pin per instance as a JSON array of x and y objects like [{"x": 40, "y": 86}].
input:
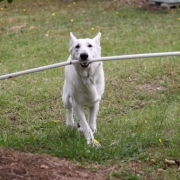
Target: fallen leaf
[
  {"x": 171, "y": 162},
  {"x": 160, "y": 170},
  {"x": 114, "y": 143},
  {"x": 44, "y": 166},
  {"x": 153, "y": 160}
]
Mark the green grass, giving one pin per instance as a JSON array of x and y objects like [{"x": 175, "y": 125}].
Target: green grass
[{"x": 140, "y": 105}]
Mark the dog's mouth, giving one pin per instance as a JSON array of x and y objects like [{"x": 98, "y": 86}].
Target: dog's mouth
[{"x": 85, "y": 64}]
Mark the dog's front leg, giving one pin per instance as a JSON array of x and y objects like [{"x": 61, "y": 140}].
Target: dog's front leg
[
  {"x": 79, "y": 112},
  {"x": 93, "y": 94},
  {"x": 93, "y": 111}
]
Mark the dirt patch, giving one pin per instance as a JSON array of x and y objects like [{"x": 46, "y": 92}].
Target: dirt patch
[
  {"x": 151, "y": 87},
  {"x": 144, "y": 4},
  {"x": 138, "y": 3},
  {"x": 18, "y": 165}
]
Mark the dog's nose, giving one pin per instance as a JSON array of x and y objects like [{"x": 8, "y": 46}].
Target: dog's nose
[{"x": 84, "y": 56}]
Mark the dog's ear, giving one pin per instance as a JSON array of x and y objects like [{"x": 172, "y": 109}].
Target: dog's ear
[
  {"x": 97, "y": 38},
  {"x": 72, "y": 38}
]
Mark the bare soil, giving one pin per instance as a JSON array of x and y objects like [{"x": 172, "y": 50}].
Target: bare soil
[
  {"x": 26, "y": 166},
  {"x": 144, "y": 4},
  {"x": 137, "y": 3}
]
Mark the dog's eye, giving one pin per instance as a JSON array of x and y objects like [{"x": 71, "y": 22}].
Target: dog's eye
[
  {"x": 77, "y": 46},
  {"x": 90, "y": 45}
]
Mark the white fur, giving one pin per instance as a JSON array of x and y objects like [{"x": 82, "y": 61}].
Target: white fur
[{"x": 83, "y": 87}]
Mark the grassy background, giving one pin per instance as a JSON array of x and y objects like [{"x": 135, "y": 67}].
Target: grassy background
[{"x": 139, "y": 116}]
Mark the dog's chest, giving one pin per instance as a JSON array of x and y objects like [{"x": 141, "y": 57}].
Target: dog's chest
[
  {"x": 88, "y": 77},
  {"x": 87, "y": 90}
]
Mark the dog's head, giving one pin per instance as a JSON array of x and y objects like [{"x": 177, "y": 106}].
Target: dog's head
[{"x": 85, "y": 49}]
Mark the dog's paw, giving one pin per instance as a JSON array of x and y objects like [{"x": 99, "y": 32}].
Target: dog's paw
[{"x": 96, "y": 143}]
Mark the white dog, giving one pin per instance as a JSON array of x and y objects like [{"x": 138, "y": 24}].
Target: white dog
[{"x": 84, "y": 85}]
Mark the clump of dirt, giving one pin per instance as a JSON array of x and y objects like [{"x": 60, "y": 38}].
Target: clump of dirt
[{"x": 18, "y": 165}]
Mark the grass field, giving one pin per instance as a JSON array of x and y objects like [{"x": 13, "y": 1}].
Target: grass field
[{"x": 139, "y": 117}]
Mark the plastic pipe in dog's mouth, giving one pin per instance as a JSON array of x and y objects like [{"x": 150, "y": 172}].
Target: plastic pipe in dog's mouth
[{"x": 109, "y": 58}]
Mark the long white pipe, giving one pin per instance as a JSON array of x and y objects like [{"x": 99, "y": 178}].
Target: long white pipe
[{"x": 109, "y": 58}]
